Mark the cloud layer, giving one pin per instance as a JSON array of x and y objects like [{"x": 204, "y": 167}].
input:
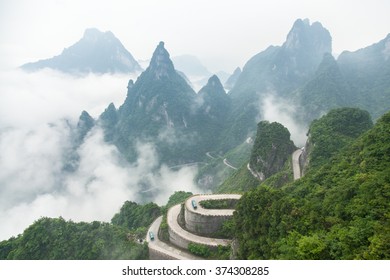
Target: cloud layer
[
  {"x": 38, "y": 114},
  {"x": 276, "y": 109}
]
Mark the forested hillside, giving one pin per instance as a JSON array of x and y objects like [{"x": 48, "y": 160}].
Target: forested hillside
[
  {"x": 56, "y": 238},
  {"x": 337, "y": 211}
]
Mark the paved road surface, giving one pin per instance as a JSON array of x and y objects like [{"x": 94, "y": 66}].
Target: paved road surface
[
  {"x": 165, "y": 248},
  {"x": 225, "y": 161},
  {"x": 172, "y": 215},
  {"x": 295, "y": 162}
]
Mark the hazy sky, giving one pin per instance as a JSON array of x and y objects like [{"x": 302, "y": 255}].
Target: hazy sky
[{"x": 222, "y": 33}]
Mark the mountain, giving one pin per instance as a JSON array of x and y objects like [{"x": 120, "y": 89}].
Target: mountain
[
  {"x": 96, "y": 52},
  {"x": 84, "y": 125},
  {"x": 338, "y": 210},
  {"x": 326, "y": 90},
  {"x": 367, "y": 72},
  {"x": 332, "y": 132},
  {"x": 162, "y": 108},
  {"x": 271, "y": 150},
  {"x": 278, "y": 71},
  {"x": 213, "y": 108},
  {"x": 213, "y": 100},
  {"x": 270, "y": 155},
  {"x": 231, "y": 81}
]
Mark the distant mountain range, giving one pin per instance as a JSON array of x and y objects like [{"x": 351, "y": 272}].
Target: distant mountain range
[
  {"x": 186, "y": 125},
  {"x": 96, "y": 52}
]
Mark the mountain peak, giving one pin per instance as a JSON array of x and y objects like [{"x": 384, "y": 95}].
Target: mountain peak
[
  {"x": 161, "y": 64},
  {"x": 94, "y": 34},
  {"x": 90, "y": 32},
  {"x": 309, "y": 37},
  {"x": 213, "y": 86},
  {"x": 96, "y": 52}
]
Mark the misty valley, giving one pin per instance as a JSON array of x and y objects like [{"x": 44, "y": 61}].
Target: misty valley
[{"x": 288, "y": 157}]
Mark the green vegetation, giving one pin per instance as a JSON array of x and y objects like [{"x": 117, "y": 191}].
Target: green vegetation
[
  {"x": 240, "y": 181},
  {"x": 335, "y": 130},
  {"x": 326, "y": 90},
  {"x": 133, "y": 215},
  {"x": 55, "y": 238},
  {"x": 219, "y": 203},
  {"x": 177, "y": 198},
  {"x": 271, "y": 154},
  {"x": 337, "y": 211},
  {"x": 220, "y": 253},
  {"x": 272, "y": 148},
  {"x": 199, "y": 250},
  {"x": 215, "y": 172}
]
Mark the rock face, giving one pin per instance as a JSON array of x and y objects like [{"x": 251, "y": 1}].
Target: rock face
[
  {"x": 278, "y": 70},
  {"x": 305, "y": 46},
  {"x": 96, "y": 52},
  {"x": 161, "y": 107},
  {"x": 231, "y": 81},
  {"x": 271, "y": 150},
  {"x": 367, "y": 71},
  {"x": 213, "y": 100},
  {"x": 84, "y": 125},
  {"x": 326, "y": 90}
]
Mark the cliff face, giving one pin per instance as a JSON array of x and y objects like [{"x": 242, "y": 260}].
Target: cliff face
[{"x": 271, "y": 150}]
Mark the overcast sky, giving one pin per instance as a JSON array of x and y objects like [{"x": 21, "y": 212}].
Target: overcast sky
[{"x": 222, "y": 33}]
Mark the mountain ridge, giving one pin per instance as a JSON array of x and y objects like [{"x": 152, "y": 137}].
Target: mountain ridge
[{"x": 96, "y": 52}]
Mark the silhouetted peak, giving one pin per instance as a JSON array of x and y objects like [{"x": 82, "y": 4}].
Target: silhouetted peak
[
  {"x": 213, "y": 86},
  {"x": 309, "y": 37},
  {"x": 130, "y": 84},
  {"x": 161, "y": 64}
]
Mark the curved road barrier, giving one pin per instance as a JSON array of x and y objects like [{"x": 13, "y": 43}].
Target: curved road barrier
[{"x": 181, "y": 238}]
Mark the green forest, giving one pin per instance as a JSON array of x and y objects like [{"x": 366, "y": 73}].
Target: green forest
[{"x": 338, "y": 210}]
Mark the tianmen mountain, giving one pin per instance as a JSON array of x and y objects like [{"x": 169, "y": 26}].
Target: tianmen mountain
[{"x": 337, "y": 208}]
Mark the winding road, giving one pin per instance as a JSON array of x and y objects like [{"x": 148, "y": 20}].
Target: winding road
[
  {"x": 164, "y": 248},
  {"x": 295, "y": 163},
  {"x": 174, "y": 252},
  {"x": 174, "y": 225},
  {"x": 225, "y": 161}
]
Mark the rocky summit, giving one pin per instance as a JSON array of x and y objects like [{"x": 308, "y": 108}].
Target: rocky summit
[{"x": 96, "y": 52}]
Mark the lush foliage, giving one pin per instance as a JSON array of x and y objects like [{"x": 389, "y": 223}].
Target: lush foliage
[
  {"x": 240, "y": 181},
  {"x": 199, "y": 250},
  {"x": 334, "y": 131},
  {"x": 337, "y": 211},
  {"x": 270, "y": 156},
  {"x": 133, "y": 215},
  {"x": 219, "y": 203},
  {"x": 220, "y": 253},
  {"x": 272, "y": 148},
  {"x": 55, "y": 238},
  {"x": 177, "y": 198}
]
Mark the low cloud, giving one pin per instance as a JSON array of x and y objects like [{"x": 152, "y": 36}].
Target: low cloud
[
  {"x": 47, "y": 95},
  {"x": 37, "y": 118},
  {"x": 277, "y": 109}
]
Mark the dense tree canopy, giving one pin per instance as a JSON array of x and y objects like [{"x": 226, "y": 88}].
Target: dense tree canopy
[
  {"x": 55, "y": 238},
  {"x": 337, "y": 211}
]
